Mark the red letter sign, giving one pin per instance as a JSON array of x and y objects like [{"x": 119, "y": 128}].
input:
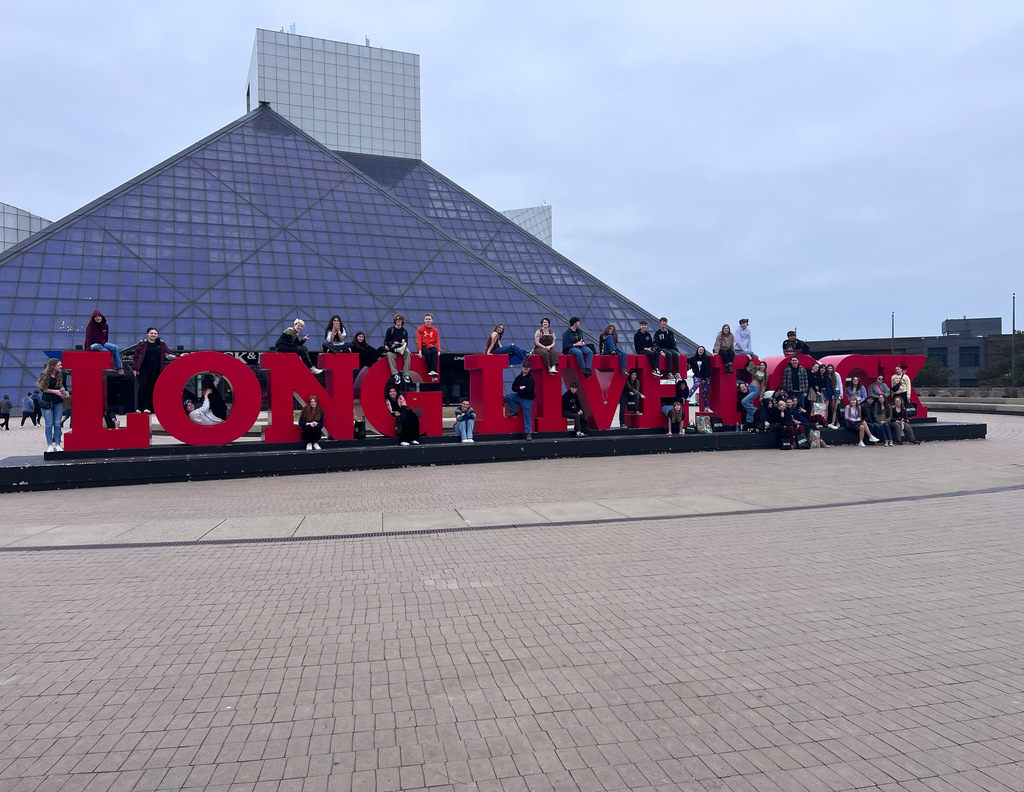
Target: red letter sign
[{"x": 91, "y": 400}]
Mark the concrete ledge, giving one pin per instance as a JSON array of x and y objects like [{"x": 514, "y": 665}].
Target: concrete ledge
[{"x": 163, "y": 464}]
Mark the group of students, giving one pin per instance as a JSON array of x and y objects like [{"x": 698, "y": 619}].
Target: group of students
[
  {"x": 806, "y": 399},
  {"x": 396, "y": 345},
  {"x": 810, "y": 399}
]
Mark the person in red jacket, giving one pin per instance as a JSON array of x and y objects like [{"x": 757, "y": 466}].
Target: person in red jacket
[{"x": 428, "y": 344}]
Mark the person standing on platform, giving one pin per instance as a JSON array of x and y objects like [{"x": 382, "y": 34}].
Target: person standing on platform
[
  {"x": 150, "y": 356},
  {"x": 97, "y": 338},
  {"x": 428, "y": 345},
  {"x": 522, "y": 396}
]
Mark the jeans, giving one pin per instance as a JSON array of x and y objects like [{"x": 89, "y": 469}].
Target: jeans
[
  {"x": 464, "y": 429},
  {"x": 753, "y": 389},
  {"x": 115, "y": 353},
  {"x": 51, "y": 417},
  {"x": 611, "y": 349},
  {"x": 881, "y": 430},
  {"x": 511, "y": 349},
  {"x": 514, "y": 402},
  {"x": 584, "y": 356}
]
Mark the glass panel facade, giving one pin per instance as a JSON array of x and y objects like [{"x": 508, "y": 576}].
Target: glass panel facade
[
  {"x": 565, "y": 288},
  {"x": 223, "y": 245}
]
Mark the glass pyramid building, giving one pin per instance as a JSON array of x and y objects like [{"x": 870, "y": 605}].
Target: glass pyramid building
[{"x": 225, "y": 243}]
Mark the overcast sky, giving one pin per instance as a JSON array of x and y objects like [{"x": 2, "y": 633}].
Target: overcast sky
[{"x": 809, "y": 164}]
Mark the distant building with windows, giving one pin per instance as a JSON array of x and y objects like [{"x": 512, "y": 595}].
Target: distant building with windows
[
  {"x": 963, "y": 346},
  {"x": 17, "y": 225}
]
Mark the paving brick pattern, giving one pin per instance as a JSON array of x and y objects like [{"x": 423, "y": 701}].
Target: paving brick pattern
[{"x": 870, "y": 646}]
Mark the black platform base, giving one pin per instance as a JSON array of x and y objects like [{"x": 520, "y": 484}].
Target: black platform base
[{"x": 168, "y": 463}]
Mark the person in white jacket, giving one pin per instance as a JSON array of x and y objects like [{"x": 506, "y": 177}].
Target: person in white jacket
[
  {"x": 202, "y": 415},
  {"x": 744, "y": 346}
]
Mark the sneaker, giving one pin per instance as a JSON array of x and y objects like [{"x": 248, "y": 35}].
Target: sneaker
[
  {"x": 529, "y": 436},
  {"x": 676, "y": 377},
  {"x": 316, "y": 447},
  {"x": 49, "y": 449},
  {"x": 469, "y": 439},
  {"x": 579, "y": 434},
  {"x": 465, "y": 440},
  {"x": 552, "y": 370},
  {"x": 656, "y": 373},
  {"x": 873, "y": 440},
  {"x": 309, "y": 446},
  {"x": 728, "y": 368},
  {"x": 861, "y": 444},
  {"x": 431, "y": 373},
  {"x": 398, "y": 379},
  {"x": 588, "y": 372},
  {"x": 415, "y": 442},
  {"x": 315, "y": 370},
  {"x": 407, "y": 379},
  {"x": 58, "y": 447},
  {"x": 405, "y": 443}
]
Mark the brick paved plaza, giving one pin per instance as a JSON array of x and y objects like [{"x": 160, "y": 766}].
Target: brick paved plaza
[{"x": 824, "y": 620}]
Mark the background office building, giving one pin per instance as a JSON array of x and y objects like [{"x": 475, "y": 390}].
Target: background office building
[
  {"x": 963, "y": 347},
  {"x": 225, "y": 243}
]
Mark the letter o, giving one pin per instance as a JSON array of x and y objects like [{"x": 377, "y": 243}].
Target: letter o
[{"x": 167, "y": 401}]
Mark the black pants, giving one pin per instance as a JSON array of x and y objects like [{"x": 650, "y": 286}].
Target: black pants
[
  {"x": 408, "y": 426},
  {"x": 728, "y": 356},
  {"x": 30, "y": 416},
  {"x": 312, "y": 434},
  {"x": 651, "y": 356},
  {"x": 577, "y": 419},
  {"x": 430, "y": 356},
  {"x": 6, "y": 421},
  {"x": 147, "y": 382},
  {"x": 671, "y": 360}
]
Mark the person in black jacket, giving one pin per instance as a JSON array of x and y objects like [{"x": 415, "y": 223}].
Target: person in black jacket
[
  {"x": 643, "y": 344},
  {"x": 572, "y": 408},
  {"x": 294, "y": 340},
  {"x": 522, "y": 395},
  {"x": 396, "y": 342},
  {"x": 665, "y": 344},
  {"x": 700, "y": 365}
]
